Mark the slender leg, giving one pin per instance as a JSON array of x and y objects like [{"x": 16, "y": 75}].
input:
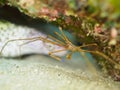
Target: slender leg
[
  {"x": 25, "y": 44},
  {"x": 60, "y": 36},
  {"x": 33, "y": 39},
  {"x": 50, "y": 41},
  {"x": 89, "y": 64},
  {"x": 57, "y": 51},
  {"x": 12, "y": 41},
  {"x": 88, "y": 45},
  {"x": 103, "y": 55},
  {"x": 62, "y": 43},
  {"x": 56, "y": 57},
  {"x": 66, "y": 39},
  {"x": 28, "y": 42}
]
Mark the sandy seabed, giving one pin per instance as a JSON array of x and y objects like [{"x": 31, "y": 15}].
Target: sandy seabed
[{"x": 43, "y": 73}]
